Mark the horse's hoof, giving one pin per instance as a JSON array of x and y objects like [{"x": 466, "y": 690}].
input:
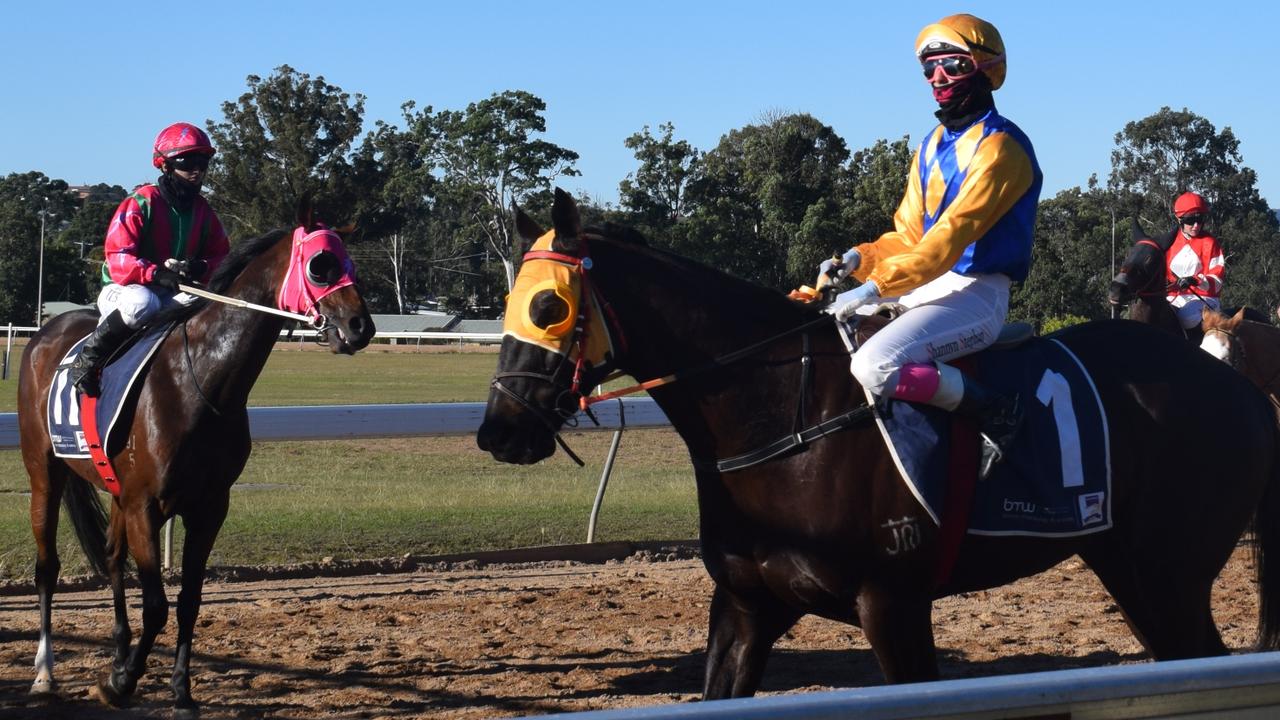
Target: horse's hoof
[
  {"x": 44, "y": 687},
  {"x": 186, "y": 712},
  {"x": 107, "y": 694}
]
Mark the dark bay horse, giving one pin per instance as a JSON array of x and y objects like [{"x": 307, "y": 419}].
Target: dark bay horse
[
  {"x": 812, "y": 531},
  {"x": 1141, "y": 284},
  {"x": 187, "y": 442}
]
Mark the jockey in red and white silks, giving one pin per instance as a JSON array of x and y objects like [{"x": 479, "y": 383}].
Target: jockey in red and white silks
[{"x": 1194, "y": 262}]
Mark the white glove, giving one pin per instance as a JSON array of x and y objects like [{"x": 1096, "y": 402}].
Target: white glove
[
  {"x": 848, "y": 263},
  {"x": 847, "y": 302}
]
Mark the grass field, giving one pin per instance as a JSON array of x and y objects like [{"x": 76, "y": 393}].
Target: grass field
[{"x": 301, "y": 501}]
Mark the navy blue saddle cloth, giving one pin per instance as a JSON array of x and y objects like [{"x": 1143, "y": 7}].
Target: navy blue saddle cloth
[
  {"x": 119, "y": 380},
  {"x": 1056, "y": 479}
]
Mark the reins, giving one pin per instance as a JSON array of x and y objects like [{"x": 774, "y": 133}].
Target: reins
[
  {"x": 713, "y": 364},
  {"x": 191, "y": 369},
  {"x": 797, "y": 439},
  {"x": 317, "y": 321}
]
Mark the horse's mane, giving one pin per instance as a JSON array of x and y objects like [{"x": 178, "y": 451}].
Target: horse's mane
[
  {"x": 1225, "y": 320},
  {"x": 745, "y": 293},
  {"x": 230, "y": 268}
]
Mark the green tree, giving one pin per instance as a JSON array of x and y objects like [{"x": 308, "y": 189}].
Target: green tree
[
  {"x": 654, "y": 197},
  {"x": 29, "y": 201},
  {"x": 290, "y": 135},
  {"x": 487, "y": 157},
  {"x": 767, "y": 200},
  {"x": 82, "y": 276},
  {"x": 874, "y": 185},
  {"x": 392, "y": 212},
  {"x": 1071, "y": 266}
]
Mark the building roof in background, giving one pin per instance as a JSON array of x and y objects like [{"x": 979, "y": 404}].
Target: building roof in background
[
  {"x": 424, "y": 322},
  {"x": 477, "y": 326},
  {"x": 57, "y": 307}
]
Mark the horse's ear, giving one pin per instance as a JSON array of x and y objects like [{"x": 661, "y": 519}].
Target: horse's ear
[
  {"x": 1240, "y": 315},
  {"x": 525, "y": 226},
  {"x": 1137, "y": 231},
  {"x": 567, "y": 222},
  {"x": 305, "y": 213}
]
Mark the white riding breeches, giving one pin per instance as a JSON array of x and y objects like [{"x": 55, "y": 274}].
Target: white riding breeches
[
  {"x": 1188, "y": 309},
  {"x": 946, "y": 318},
  {"x": 137, "y": 303}
]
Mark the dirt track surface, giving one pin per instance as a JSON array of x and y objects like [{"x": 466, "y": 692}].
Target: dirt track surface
[{"x": 478, "y": 642}]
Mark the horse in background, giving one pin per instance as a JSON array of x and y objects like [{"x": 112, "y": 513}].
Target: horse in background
[
  {"x": 1250, "y": 346},
  {"x": 188, "y": 439},
  {"x": 815, "y": 530},
  {"x": 1141, "y": 283}
]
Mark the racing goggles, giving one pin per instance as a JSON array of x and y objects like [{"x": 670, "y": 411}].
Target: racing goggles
[{"x": 957, "y": 66}]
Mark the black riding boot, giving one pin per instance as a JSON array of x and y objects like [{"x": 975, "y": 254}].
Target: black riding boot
[
  {"x": 105, "y": 340},
  {"x": 998, "y": 416}
]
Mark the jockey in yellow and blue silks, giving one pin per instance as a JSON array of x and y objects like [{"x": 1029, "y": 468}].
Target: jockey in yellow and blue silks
[{"x": 962, "y": 234}]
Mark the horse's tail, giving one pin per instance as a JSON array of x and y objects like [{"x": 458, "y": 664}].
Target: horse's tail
[
  {"x": 1266, "y": 552},
  {"x": 89, "y": 518}
]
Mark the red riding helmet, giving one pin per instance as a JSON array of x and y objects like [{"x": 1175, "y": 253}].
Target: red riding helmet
[
  {"x": 180, "y": 139},
  {"x": 1189, "y": 203}
]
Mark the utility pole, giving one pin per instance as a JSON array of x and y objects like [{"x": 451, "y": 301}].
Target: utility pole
[
  {"x": 1113, "y": 251},
  {"x": 40, "y": 273}
]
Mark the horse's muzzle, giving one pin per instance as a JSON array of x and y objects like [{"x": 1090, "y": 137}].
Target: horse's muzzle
[
  {"x": 350, "y": 335},
  {"x": 1119, "y": 291},
  {"x": 511, "y": 436}
]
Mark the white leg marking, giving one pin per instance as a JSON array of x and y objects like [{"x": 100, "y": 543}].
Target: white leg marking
[{"x": 44, "y": 665}]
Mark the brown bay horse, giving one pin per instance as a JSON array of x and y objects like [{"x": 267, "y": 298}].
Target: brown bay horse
[
  {"x": 188, "y": 440},
  {"x": 818, "y": 529},
  {"x": 1250, "y": 346}
]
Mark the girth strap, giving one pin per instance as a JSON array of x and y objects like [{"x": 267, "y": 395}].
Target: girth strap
[{"x": 784, "y": 445}]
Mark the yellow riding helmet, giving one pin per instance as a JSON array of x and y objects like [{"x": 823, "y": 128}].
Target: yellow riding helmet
[{"x": 974, "y": 35}]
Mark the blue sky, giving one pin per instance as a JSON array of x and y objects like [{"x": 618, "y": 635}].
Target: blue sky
[{"x": 89, "y": 84}]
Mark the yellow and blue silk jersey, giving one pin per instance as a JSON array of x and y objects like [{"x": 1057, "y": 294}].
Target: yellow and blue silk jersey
[{"x": 970, "y": 207}]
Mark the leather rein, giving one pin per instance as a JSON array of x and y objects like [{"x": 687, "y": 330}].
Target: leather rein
[{"x": 795, "y": 441}]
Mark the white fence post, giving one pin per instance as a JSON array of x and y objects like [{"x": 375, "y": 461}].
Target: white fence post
[
  {"x": 168, "y": 544},
  {"x": 8, "y": 348}
]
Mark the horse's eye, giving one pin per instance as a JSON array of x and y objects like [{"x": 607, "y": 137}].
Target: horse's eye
[
  {"x": 547, "y": 309},
  {"x": 324, "y": 268}
]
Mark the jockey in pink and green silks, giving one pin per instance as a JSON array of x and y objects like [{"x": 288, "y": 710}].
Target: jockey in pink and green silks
[{"x": 162, "y": 234}]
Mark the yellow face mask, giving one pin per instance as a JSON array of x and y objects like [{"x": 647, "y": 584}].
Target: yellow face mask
[{"x": 537, "y": 278}]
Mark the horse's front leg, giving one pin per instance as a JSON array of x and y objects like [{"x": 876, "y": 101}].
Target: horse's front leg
[
  {"x": 117, "y": 554},
  {"x": 142, "y": 533},
  {"x": 741, "y": 634},
  {"x": 46, "y": 493},
  {"x": 201, "y": 530},
  {"x": 898, "y": 623}
]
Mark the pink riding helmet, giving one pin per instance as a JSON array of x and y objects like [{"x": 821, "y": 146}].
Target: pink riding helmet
[{"x": 180, "y": 139}]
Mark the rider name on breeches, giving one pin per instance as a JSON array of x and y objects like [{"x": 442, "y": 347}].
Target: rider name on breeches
[
  {"x": 137, "y": 303},
  {"x": 951, "y": 316}
]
